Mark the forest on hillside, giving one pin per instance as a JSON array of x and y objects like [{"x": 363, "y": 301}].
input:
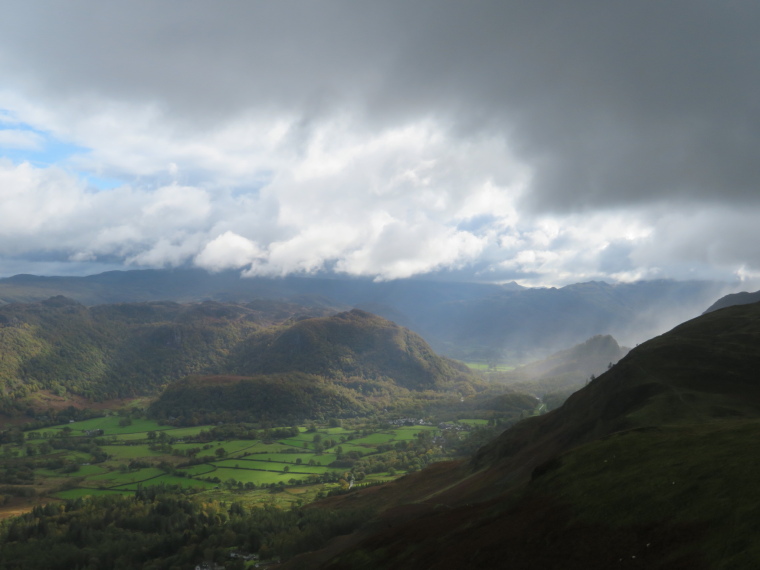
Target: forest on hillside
[{"x": 297, "y": 362}]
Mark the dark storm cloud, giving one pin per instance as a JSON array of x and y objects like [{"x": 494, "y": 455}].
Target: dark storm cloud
[{"x": 611, "y": 103}]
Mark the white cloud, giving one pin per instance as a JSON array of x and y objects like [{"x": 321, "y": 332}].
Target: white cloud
[
  {"x": 228, "y": 251},
  {"x": 401, "y": 251},
  {"x": 20, "y": 139}
]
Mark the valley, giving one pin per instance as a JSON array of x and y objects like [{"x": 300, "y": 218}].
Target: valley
[
  {"x": 392, "y": 285},
  {"x": 308, "y": 436}
]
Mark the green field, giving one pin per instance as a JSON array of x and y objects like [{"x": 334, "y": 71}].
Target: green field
[
  {"x": 281, "y": 457},
  {"x": 130, "y": 451},
  {"x": 83, "y": 471},
  {"x": 299, "y": 443},
  {"x": 293, "y": 458},
  {"x": 474, "y": 422},
  {"x": 198, "y": 470},
  {"x": 272, "y": 466},
  {"x": 374, "y": 439},
  {"x": 410, "y": 432},
  {"x": 336, "y": 431},
  {"x": 115, "y": 478},
  {"x": 72, "y": 494},
  {"x": 185, "y": 482},
  {"x": 256, "y": 477},
  {"x": 485, "y": 367},
  {"x": 236, "y": 446}
]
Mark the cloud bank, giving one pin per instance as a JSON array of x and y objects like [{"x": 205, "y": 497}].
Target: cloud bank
[{"x": 546, "y": 142}]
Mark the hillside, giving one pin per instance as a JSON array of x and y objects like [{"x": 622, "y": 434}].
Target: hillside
[
  {"x": 353, "y": 343},
  {"x": 652, "y": 465},
  {"x": 335, "y": 366},
  {"x": 283, "y": 398},
  {"x": 63, "y": 348}
]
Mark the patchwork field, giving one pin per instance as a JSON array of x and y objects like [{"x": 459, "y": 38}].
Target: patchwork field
[{"x": 117, "y": 454}]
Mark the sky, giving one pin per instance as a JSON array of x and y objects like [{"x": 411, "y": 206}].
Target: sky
[{"x": 545, "y": 142}]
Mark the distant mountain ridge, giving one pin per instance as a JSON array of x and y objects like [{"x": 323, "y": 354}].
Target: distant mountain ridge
[
  {"x": 590, "y": 357},
  {"x": 743, "y": 298},
  {"x": 468, "y": 321},
  {"x": 560, "y": 374}
]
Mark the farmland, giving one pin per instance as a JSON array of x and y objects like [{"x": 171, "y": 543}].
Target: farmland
[{"x": 116, "y": 454}]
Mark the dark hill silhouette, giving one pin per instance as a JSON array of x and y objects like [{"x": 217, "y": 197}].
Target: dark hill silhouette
[
  {"x": 743, "y": 298},
  {"x": 649, "y": 466}
]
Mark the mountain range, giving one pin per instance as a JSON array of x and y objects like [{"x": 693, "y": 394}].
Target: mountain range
[{"x": 468, "y": 321}]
